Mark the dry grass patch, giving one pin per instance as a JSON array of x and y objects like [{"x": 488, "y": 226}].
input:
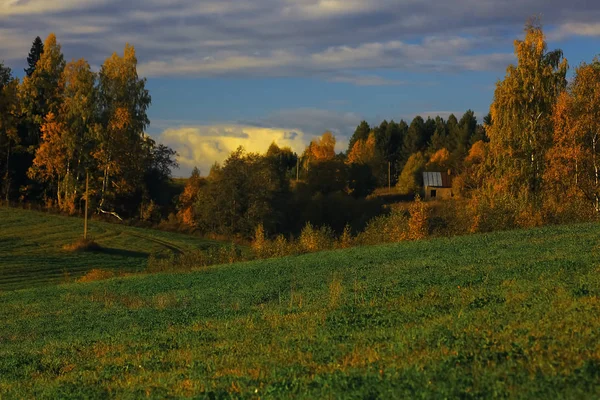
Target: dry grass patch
[
  {"x": 82, "y": 245},
  {"x": 96, "y": 275}
]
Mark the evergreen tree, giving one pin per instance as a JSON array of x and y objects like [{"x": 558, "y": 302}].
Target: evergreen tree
[
  {"x": 37, "y": 48},
  {"x": 361, "y": 133}
]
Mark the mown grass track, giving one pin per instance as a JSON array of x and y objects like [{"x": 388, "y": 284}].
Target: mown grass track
[{"x": 32, "y": 255}]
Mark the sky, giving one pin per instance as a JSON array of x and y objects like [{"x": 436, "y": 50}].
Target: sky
[{"x": 225, "y": 73}]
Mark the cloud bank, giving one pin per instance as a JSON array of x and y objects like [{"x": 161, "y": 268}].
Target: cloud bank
[{"x": 333, "y": 39}]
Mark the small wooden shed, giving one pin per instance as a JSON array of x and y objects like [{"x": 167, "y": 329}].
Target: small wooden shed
[{"x": 437, "y": 185}]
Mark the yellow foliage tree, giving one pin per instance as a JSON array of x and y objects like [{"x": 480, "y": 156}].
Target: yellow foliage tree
[
  {"x": 521, "y": 129},
  {"x": 363, "y": 151},
  {"x": 320, "y": 149},
  {"x": 440, "y": 159}
]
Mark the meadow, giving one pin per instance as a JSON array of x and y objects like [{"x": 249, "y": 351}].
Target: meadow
[
  {"x": 32, "y": 250},
  {"x": 500, "y": 315}
]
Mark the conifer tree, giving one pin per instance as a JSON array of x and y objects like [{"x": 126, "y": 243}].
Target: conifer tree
[{"x": 37, "y": 48}]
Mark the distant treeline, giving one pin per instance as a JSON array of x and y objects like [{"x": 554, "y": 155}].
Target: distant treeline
[{"x": 533, "y": 159}]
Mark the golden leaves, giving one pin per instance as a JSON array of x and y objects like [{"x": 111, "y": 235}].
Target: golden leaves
[{"x": 363, "y": 151}]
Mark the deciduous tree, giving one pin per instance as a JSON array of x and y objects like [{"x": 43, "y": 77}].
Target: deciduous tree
[{"x": 522, "y": 113}]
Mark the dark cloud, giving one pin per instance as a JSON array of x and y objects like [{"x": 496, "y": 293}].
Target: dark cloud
[{"x": 275, "y": 38}]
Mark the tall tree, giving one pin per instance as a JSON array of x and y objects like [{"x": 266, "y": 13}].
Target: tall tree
[
  {"x": 416, "y": 137},
  {"x": 123, "y": 102},
  {"x": 9, "y": 138},
  {"x": 522, "y": 112},
  {"x": 320, "y": 149},
  {"x": 439, "y": 140},
  {"x": 363, "y": 151},
  {"x": 410, "y": 180},
  {"x": 41, "y": 93},
  {"x": 574, "y": 160},
  {"x": 188, "y": 198},
  {"x": 37, "y": 48},
  {"x": 69, "y": 134},
  {"x": 361, "y": 133}
]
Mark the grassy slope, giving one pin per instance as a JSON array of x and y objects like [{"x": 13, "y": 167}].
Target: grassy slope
[
  {"x": 507, "y": 314},
  {"x": 31, "y": 248}
]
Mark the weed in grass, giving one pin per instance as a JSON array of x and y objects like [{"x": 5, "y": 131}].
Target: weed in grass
[{"x": 335, "y": 291}]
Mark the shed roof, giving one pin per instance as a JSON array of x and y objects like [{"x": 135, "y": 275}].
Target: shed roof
[{"x": 437, "y": 179}]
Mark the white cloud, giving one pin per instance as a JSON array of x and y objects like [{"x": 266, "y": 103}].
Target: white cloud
[
  {"x": 28, "y": 7},
  {"x": 204, "y": 145},
  {"x": 575, "y": 29}
]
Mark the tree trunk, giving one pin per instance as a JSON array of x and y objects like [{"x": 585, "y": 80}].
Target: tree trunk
[{"x": 7, "y": 174}]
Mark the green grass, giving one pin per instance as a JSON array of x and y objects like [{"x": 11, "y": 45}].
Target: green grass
[
  {"x": 32, "y": 254},
  {"x": 504, "y": 315}
]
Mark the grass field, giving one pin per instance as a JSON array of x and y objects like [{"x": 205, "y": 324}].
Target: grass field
[
  {"x": 509, "y": 314},
  {"x": 32, "y": 255}
]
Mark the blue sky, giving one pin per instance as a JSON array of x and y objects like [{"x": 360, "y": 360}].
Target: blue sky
[{"x": 224, "y": 73}]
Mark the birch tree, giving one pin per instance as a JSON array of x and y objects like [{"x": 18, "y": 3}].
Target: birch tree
[{"x": 521, "y": 132}]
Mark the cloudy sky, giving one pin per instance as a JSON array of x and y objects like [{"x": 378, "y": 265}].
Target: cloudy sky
[{"x": 224, "y": 73}]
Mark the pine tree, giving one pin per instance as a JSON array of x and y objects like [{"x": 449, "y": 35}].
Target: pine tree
[{"x": 37, "y": 48}]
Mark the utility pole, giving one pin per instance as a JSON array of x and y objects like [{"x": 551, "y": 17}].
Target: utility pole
[
  {"x": 85, "y": 221},
  {"x": 389, "y": 176},
  {"x": 297, "y": 169}
]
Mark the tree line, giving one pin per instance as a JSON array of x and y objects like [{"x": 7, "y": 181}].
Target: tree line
[
  {"x": 63, "y": 122},
  {"x": 532, "y": 160}
]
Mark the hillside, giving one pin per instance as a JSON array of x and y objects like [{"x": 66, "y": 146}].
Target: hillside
[
  {"x": 31, "y": 248},
  {"x": 509, "y": 314}
]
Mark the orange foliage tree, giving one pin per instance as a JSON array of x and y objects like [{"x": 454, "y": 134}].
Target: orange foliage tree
[
  {"x": 320, "y": 149},
  {"x": 574, "y": 160},
  {"x": 363, "y": 151},
  {"x": 188, "y": 198}
]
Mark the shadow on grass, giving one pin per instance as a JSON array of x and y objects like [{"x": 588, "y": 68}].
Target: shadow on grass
[{"x": 122, "y": 253}]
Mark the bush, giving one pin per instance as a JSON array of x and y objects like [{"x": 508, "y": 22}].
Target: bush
[
  {"x": 312, "y": 240},
  {"x": 418, "y": 224},
  {"x": 390, "y": 228},
  {"x": 345, "y": 240},
  {"x": 260, "y": 243},
  {"x": 83, "y": 245}
]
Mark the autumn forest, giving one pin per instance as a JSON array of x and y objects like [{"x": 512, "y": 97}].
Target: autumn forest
[{"x": 533, "y": 160}]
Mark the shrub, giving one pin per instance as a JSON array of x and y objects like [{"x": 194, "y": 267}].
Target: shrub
[
  {"x": 260, "y": 243},
  {"x": 390, "y": 228},
  {"x": 83, "y": 245},
  {"x": 418, "y": 224},
  {"x": 280, "y": 247},
  {"x": 313, "y": 240},
  {"x": 345, "y": 240}
]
